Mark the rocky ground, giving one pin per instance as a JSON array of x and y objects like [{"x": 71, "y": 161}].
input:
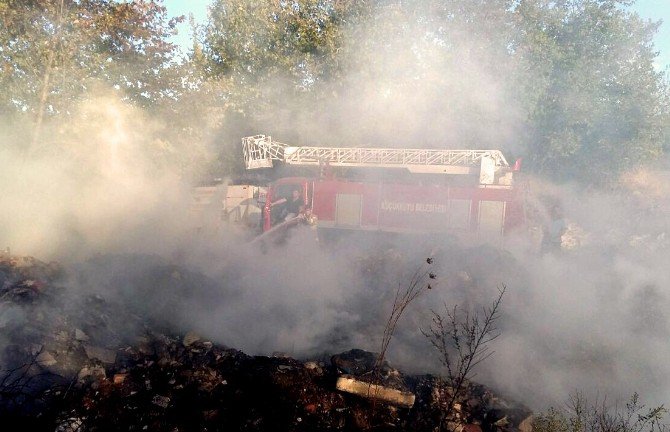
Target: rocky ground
[{"x": 70, "y": 365}]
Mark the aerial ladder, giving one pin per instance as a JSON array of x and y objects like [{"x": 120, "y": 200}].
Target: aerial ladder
[{"x": 260, "y": 151}]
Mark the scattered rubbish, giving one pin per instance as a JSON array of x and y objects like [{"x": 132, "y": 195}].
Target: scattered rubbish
[
  {"x": 374, "y": 391},
  {"x": 44, "y": 358},
  {"x": 104, "y": 355},
  {"x": 191, "y": 338},
  {"x": 161, "y": 401},
  {"x": 80, "y": 335},
  {"x": 74, "y": 371},
  {"x": 119, "y": 378}
]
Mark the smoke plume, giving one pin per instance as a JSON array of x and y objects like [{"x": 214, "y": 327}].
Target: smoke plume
[{"x": 108, "y": 201}]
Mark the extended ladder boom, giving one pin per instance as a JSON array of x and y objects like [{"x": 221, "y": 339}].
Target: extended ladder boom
[{"x": 260, "y": 152}]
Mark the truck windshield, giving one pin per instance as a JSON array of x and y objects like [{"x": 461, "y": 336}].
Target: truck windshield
[{"x": 285, "y": 191}]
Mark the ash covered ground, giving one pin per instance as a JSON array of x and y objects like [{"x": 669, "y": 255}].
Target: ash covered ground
[{"x": 74, "y": 361}]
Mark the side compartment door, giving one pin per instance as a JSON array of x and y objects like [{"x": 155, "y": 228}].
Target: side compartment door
[
  {"x": 491, "y": 220},
  {"x": 459, "y": 215},
  {"x": 348, "y": 210}
]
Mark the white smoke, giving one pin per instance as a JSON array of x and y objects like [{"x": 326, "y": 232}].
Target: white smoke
[{"x": 107, "y": 200}]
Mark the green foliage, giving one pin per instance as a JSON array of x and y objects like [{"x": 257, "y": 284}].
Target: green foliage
[
  {"x": 593, "y": 97},
  {"x": 580, "y": 73},
  {"x": 249, "y": 43},
  {"x": 52, "y": 50},
  {"x": 580, "y": 416},
  {"x": 265, "y": 61},
  {"x": 347, "y": 71},
  {"x": 568, "y": 84}
]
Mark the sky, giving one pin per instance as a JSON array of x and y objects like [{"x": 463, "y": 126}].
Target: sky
[
  {"x": 654, "y": 10},
  {"x": 648, "y": 9},
  {"x": 187, "y": 7}
]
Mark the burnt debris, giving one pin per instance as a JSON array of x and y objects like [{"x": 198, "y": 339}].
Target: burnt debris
[{"x": 65, "y": 366}]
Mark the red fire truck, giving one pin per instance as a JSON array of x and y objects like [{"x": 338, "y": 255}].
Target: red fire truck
[{"x": 456, "y": 192}]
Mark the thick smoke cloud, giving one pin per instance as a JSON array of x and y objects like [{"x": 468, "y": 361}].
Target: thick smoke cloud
[
  {"x": 99, "y": 187},
  {"x": 409, "y": 82},
  {"x": 592, "y": 318}
]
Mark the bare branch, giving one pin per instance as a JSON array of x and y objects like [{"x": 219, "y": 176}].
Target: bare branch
[{"x": 461, "y": 339}]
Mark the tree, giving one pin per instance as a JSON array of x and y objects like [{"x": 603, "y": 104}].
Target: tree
[
  {"x": 570, "y": 84},
  {"x": 53, "y": 50},
  {"x": 265, "y": 64},
  {"x": 358, "y": 72},
  {"x": 262, "y": 48},
  {"x": 593, "y": 97}
]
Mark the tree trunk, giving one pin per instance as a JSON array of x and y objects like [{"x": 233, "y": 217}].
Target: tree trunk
[{"x": 46, "y": 81}]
